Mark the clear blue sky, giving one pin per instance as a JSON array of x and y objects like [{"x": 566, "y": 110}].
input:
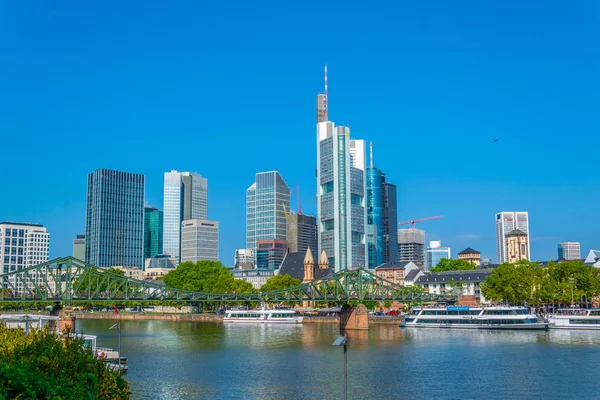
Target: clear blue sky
[{"x": 228, "y": 89}]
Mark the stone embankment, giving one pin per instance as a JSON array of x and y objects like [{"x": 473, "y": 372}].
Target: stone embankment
[{"x": 215, "y": 318}]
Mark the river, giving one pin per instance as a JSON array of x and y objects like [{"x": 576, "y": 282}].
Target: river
[{"x": 198, "y": 360}]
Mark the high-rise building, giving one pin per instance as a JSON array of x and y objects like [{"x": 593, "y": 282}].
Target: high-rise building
[
  {"x": 185, "y": 197},
  {"x": 341, "y": 192},
  {"x": 153, "y": 232},
  {"x": 375, "y": 240},
  {"x": 508, "y": 221},
  {"x": 411, "y": 246},
  {"x": 266, "y": 203},
  {"x": 199, "y": 240},
  {"x": 79, "y": 247},
  {"x": 243, "y": 259},
  {"x": 114, "y": 229},
  {"x": 436, "y": 252},
  {"x": 390, "y": 222},
  {"x": 22, "y": 245},
  {"x": 270, "y": 253},
  {"x": 301, "y": 232},
  {"x": 569, "y": 251}
]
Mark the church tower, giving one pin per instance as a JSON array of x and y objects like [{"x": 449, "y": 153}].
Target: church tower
[
  {"x": 323, "y": 261},
  {"x": 309, "y": 267}
]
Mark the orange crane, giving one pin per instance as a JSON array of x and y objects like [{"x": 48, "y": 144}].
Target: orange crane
[{"x": 414, "y": 221}]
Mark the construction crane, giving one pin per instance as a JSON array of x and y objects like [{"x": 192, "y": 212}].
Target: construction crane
[{"x": 414, "y": 221}]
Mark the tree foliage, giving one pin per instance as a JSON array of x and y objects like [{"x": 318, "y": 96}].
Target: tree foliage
[
  {"x": 279, "y": 282},
  {"x": 41, "y": 366},
  {"x": 529, "y": 282},
  {"x": 206, "y": 276},
  {"x": 448, "y": 264}
]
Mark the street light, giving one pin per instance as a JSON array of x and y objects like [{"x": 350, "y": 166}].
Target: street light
[
  {"x": 118, "y": 326},
  {"x": 343, "y": 341},
  {"x": 572, "y": 281}
]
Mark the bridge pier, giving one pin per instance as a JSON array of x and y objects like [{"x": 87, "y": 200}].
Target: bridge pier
[{"x": 354, "y": 318}]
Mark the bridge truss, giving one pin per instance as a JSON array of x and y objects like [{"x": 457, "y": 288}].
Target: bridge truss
[{"x": 70, "y": 280}]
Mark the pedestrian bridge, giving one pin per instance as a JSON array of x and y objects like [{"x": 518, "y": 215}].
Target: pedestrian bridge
[{"x": 70, "y": 280}]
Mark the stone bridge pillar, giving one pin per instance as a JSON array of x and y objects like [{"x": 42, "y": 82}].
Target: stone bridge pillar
[{"x": 354, "y": 318}]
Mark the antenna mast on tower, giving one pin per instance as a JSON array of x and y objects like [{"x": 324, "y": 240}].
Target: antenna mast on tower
[
  {"x": 325, "y": 95},
  {"x": 371, "y": 153}
]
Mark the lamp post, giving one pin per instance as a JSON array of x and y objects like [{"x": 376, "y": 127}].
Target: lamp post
[
  {"x": 572, "y": 281},
  {"x": 343, "y": 341},
  {"x": 118, "y": 326}
]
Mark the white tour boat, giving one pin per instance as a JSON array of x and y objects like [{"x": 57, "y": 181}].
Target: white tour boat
[
  {"x": 497, "y": 317},
  {"x": 575, "y": 318},
  {"x": 263, "y": 316}
]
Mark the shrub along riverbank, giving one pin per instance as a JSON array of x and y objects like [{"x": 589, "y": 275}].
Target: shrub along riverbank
[{"x": 41, "y": 365}]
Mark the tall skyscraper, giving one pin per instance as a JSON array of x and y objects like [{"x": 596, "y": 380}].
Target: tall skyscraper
[
  {"x": 435, "y": 252},
  {"x": 375, "y": 240},
  {"x": 270, "y": 253},
  {"x": 153, "y": 232},
  {"x": 341, "y": 192},
  {"x": 185, "y": 197},
  {"x": 79, "y": 247},
  {"x": 506, "y": 222},
  {"x": 22, "y": 245},
  {"x": 114, "y": 229},
  {"x": 266, "y": 201},
  {"x": 301, "y": 232},
  {"x": 390, "y": 222},
  {"x": 569, "y": 251},
  {"x": 411, "y": 246},
  {"x": 199, "y": 240}
]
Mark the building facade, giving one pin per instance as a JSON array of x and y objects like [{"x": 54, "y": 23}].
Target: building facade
[
  {"x": 199, "y": 240},
  {"x": 243, "y": 259},
  {"x": 267, "y": 201},
  {"x": 131, "y": 272},
  {"x": 270, "y": 253},
  {"x": 390, "y": 222},
  {"x": 301, "y": 232},
  {"x": 508, "y": 221},
  {"x": 395, "y": 273},
  {"x": 411, "y": 246},
  {"x": 153, "y": 232},
  {"x": 469, "y": 283},
  {"x": 115, "y": 219},
  {"x": 569, "y": 251},
  {"x": 517, "y": 246},
  {"x": 436, "y": 252},
  {"x": 22, "y": 245},
  {"x": 470, "y": 255},
  {"x": 257, "y": 277},
  {"x": 79, "y": 247},
  {"x": 185, "y": 198},
  {"x": 341, "y": 197},
  {"x": 375, "y": 239}
]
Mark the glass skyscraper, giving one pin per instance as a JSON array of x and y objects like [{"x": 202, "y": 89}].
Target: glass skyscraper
[
  {"x": 185, "y": 197},
  {"x": 266, "y": 200},
  {"x": 375, "y": 241},
  {"x": 115, "y": 219},
  {"x": 153, "y": 232},
  {"x": 435, "y": 252},
  {"x": 390, "y": 222}
]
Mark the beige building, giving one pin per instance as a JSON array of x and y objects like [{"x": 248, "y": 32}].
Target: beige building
[
  {"x": 517, "y": 246},
  {"x": 131, "y": 272},
  {"x": 155, "y": 273},
  {"x": 396, "y": 273},
  {"x": 472, "y": 256}
]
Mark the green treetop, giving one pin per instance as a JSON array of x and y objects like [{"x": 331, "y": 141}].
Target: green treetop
[
  {"x": 448, "y": 264},
  {"x": 279, "y": 282},
  {"x": 206, "y": 276}
]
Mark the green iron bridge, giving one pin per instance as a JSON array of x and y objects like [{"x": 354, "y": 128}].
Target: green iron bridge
[{"x": 70, "y": 280}]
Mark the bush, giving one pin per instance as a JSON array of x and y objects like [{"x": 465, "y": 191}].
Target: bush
[{"x": 41, "y": 366}]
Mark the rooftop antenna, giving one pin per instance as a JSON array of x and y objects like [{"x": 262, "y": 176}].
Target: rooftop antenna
[
  {"x": 371, "y": 153},
  {"x": 325, "y": 96}
]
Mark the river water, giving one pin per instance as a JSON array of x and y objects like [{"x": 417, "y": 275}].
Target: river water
[{"x": 194, "y": 360}]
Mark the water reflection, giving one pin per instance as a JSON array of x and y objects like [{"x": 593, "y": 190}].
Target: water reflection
[{"x": 172, "y": 360}]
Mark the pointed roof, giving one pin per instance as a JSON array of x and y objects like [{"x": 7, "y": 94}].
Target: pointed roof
[
  {"x": 516, "y": 232},
  {"x": 323, "y": 259},
  {"x": 308, "y": 258},
  {"x": 469, "y": 250}
]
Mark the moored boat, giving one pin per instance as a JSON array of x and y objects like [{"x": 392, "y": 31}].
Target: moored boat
[
  {"x": 464, "y": 317},
  {"x": 575, "y": 318},
  {"x": 263, "y": 316}
]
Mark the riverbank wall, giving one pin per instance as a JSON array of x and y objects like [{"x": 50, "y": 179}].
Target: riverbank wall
[{"x": 216, "y": 318}]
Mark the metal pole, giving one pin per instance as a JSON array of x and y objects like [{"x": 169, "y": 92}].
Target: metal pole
[
  {"x": 345, "y": 372},
  {"x": 119, "y": 343}
]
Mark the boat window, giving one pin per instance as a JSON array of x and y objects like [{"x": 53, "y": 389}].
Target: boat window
[
  {"x": 585, "y": 321},
  {"x": 595, "y": 312}
]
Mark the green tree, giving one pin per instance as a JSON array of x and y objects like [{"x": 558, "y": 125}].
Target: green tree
[
  {"x": 83, "y": 281},
  {"x": 41, "y": 366},
  {"x": 205, "y": 276},
  {"x": 570, "y": 281},
  {"x": 279, "y": 282},
  {"x": 448, "y": 264},
  {"x": 515, "y": 283}
]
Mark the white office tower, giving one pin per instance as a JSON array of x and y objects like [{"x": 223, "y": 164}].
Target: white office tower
[
  {"x": 199, "y": 240},
  {"x": 185, "y": 197},
  {"x": 508, "y": 222},
  {"x": 569, "y": 251}
]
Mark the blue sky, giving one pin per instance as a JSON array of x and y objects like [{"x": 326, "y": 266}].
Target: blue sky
[{"x": 228, "y": 89}]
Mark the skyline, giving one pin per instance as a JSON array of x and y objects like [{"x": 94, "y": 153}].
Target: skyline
[{"x": 432, "y": 95}]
